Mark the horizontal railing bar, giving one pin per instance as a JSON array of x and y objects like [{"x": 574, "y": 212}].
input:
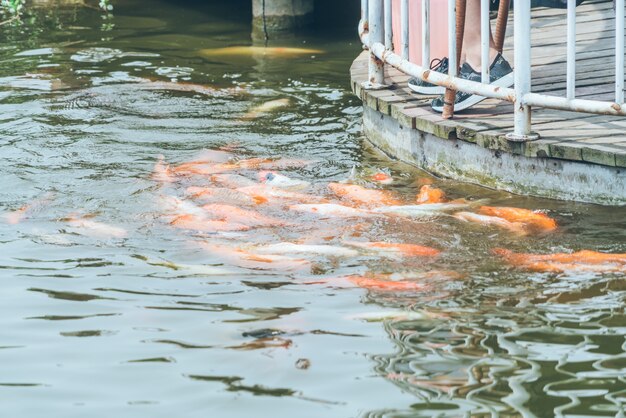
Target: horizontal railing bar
[{"x": 574, "y": 105}]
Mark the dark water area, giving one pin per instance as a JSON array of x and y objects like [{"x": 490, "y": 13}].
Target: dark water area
[{"x": 106, "y": 309}]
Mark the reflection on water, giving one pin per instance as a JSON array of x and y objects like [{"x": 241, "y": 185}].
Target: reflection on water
[{"x": 106, "y": 308}]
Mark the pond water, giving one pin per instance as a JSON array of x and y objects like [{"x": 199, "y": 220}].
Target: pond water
[{"x": 140, "y": 318}]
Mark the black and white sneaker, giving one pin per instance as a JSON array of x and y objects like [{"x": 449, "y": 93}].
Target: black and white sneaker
[
  {"x": 500, "y": 74},
  {"x": 424, "y": 87}
]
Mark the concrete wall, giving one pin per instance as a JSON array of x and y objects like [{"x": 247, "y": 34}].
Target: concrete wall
[{"x": 464, "y": 161}]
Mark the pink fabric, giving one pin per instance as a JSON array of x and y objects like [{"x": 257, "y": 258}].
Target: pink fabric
[{"x": 438, "y": 29}]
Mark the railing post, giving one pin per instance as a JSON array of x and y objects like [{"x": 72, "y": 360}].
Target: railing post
[
  {"x": 376, "y": 69},
  {"x": 521, "y": 46},
  {"x": 426, "y": 33},
  {"x": 484, "y": 41},
  {"x": 388, "y": 26},
  {"x": 571, "y": 49},
  {"x": 404, "y": 28},
  {"x": 619, "y": 51}
]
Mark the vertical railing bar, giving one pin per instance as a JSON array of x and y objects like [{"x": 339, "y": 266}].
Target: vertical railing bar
[
  {"x": 365, "y": 10},
  {"x": 376, "y": 35},
  {"x": 521, "y": 52},
  {"x": 388, "y": 26},
  {"x": 571, "y": 49},
  {"x": 484, "y": 41},
  {"x": 404, "y": 27},
  {"x": 426, "y": 33},
  {"x": 452, "y": 64},
  {"x": 619, "y": 51}
]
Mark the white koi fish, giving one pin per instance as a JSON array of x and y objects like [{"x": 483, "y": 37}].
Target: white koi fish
[
  {"x": 274, "y": 179},
  {"x": 331, "y": 210},
  {"x": 291, "y": 248}
]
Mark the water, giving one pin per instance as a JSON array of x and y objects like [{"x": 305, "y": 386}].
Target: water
[{"x": 148, "y": 324}]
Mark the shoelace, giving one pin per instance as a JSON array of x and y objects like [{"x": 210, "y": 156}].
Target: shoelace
[{"x": 436, "y": 63}]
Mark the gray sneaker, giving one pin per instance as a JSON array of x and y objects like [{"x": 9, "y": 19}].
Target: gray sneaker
[
  {"x": 424, "y": 87},
  {"x": 500, "y": 74}
]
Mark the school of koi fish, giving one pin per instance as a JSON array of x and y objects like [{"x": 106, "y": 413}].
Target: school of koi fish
[
  {"x": 288, "y": 224},
  {"x": 228, "y": 199}
]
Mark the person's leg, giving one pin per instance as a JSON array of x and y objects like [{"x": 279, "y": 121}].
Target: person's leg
[{"x": 471, "y": 37}]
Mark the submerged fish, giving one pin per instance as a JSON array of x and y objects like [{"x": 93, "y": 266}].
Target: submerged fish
[
  {"x": 232, "y": 181},
  {"x": 266, "y": 107},
  {"x": 331, "y": 210},
  {"x": 586, "y": 260},
  {"x": 381, "y": 178},
  {"x": 95, "y": 229},
  {"x": 386, "y": 283},
  {"x": 18, "y": 215},
  {"x": 221, "y": 195},
  {"x": 264, "y": 194},
  {"x": 362, "y": 196},
  {"x": 240, "y": 216},
  {"x": 423, "y": 210},
  {"x": 407, "y": 250},
  {"x": 246, "y": 51},
  {"x": 394, "y": 315},
  {"x": 203, "y": 224},
  {"x": 246, "y": 259},
  {"x": 291, "y": 248},
  {"x": 274, "y": 179},
  {"x": 531, "y": 219},
  {"x": 162, "y": 172},
  {"x": 193, "y": 269},
  {"x": 429, "y": 194},
  {"x": 186, "y": 215},
  {"x": 491, "y": 221},
  {"x": 404, "y": 282},
  {"x": 187, "y": 87}
]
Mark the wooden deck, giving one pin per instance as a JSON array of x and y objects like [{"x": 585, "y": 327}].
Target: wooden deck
[{"x": 595, "y": 139}]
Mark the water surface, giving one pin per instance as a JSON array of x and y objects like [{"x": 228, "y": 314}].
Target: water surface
[{"x": 98, "y": 325}]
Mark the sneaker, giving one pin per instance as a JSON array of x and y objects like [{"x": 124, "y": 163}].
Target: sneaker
[
  {"x": 500, "y": 74},
  {"x": 424, "y": 87}
]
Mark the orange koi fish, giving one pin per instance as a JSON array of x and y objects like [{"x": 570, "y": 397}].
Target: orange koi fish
[
  {"x": 199, "y": 168},
  {"x": 533, "y": 220},
  {"x": 203, "y": 224},
  {"x": 407, "y": 250},
  {"x": 429, "y": 194},
  {"x": 162, "y": 172},
  {"x": 362, "y": 196},
  {"x": 382, "y": 178},
  {"x": 585, "y": 260},
  {"x": 237, "y": 215},
  {"x": 221, "y": 194},
  {"x": 187, "y": 215},
  {"x": 383, "y": 283},
  {"x": 264, "y": 193},
  {"x": 271, "y": 163},
  {"x": 491, "y": 221}
]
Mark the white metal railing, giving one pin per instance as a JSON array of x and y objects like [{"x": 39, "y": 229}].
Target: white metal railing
[{"x": 376, "y": 24}]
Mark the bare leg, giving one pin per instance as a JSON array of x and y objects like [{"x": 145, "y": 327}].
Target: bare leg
[{"x": 471, "y": 38}]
